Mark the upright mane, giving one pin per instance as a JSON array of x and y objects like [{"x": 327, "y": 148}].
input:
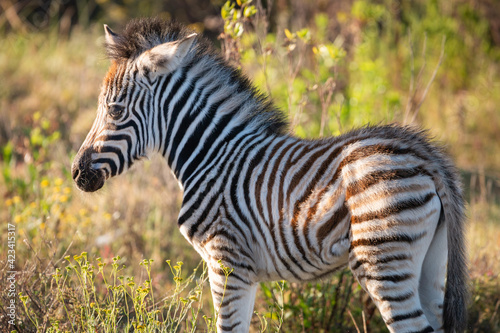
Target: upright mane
[{"x": 143, "y": 34}]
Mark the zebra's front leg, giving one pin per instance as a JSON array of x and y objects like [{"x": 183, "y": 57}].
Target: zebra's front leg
[{"x": 233, "y": 297}]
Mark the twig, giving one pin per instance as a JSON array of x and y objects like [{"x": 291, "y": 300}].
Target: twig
[
  {"x": 494, "y": 313},
  {"x": 348, "y": 292},
  {"x": 441, "y": 56},
  {"x": 10, "y": 13},
  {"x": 354, "y": 321},
  {"x": 412, "y": 79},
  {"x": 328, "y": 87},
  {"x": 364, "y": 322},
  {"x": 412, "y": 106},
  {"x": 336, "y": 299},
  {"x": 263, "y": 15},
  {"x": 25, "y": 241},
  {"x": 298, "y": 114},
  {"x": 424, "y": 54},
  {"x": 412, "y": 94},
  {"x": 339, "y": 114},
  {"x": 294, "y": 71}
]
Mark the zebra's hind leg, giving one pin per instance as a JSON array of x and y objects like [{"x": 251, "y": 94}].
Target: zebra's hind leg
[
  {"x": 432, "y": 281},
  {"x": 386, "y": 257},
  {"x": 233, "y": 298}
]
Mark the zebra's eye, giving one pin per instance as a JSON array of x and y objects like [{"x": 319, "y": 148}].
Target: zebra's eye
[{"x": 115, "y": 111}]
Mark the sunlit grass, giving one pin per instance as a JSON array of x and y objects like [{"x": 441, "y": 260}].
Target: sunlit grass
[{"x": 96, "y": 296}]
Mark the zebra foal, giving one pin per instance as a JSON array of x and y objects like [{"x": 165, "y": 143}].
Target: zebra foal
[{"x": 382, "y": 199}]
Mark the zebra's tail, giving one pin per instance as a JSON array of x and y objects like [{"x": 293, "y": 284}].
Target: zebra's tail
[{"x": 457, "y": 286}]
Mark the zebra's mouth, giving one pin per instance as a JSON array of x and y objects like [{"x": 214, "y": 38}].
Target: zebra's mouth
[
  {"x": 89, "y": 180},
  {"x": 85, "y": 177}
]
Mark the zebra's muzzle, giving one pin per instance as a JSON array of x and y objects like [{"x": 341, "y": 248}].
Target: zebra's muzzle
[{"x": 85, "y": 177}]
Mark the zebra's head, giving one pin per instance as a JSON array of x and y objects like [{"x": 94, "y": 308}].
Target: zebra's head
[{"x": 123, "y": 129}]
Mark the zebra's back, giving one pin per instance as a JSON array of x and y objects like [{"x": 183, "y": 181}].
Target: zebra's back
[{"x": 315, "y": 193}]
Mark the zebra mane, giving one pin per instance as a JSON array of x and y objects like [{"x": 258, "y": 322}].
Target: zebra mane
[{"x": 143, "y": 34}]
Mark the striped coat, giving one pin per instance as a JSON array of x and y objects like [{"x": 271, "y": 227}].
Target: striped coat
[{"x": 382, "y": 200}]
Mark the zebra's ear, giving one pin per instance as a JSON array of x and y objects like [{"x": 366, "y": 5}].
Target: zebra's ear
[
  {"x": 110, "y": 36},
  {"x": 166, "y": 57}
]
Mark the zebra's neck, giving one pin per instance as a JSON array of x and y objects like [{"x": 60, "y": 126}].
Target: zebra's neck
[{"x": 203, "y": 107}]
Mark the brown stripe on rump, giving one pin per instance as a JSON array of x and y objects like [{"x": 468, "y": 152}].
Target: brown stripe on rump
[
  {"x": 379, "y": 148},
  {"x": 390, "y": 277},
  {"x": 398, "y": 207},
  {"x": 366, "y": 259},
  {"x": 389, "y": 223},
  {"x": 386, "y": 193},
  {"x": 377, "y": 251},
  {"x": 386, "y": 239},
  {"x": 382, "y": 175}
]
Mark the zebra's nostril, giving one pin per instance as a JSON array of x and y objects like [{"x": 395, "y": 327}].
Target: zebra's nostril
[{"x": 76, "y": 173}]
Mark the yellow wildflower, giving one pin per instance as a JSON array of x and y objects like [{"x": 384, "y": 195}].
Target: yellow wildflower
[
  {"x": 16, "y": 199},
  {"x": 8, "y": 202},
  {"x": 86, "y": 222},
  {"x": 69, "y": 218},
  {"x": 63, "y": 198},
  {"x": 44, "y": 183},
  {"x": 58, "y": 182},
  {"x": 67, "y": 190},
  {"x": 42, "y": 225},
  {"x": 17, "y": 218}
]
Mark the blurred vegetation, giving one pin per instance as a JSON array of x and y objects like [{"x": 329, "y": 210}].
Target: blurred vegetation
[{"x": 330, "y": 65}]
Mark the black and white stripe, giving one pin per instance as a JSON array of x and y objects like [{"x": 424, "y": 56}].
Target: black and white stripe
[{"x": 382, "y": 200}]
